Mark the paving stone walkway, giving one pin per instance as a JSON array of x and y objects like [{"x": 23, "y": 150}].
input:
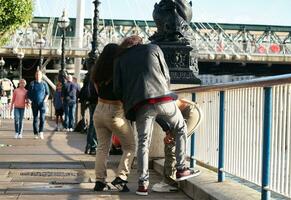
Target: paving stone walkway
[{"x": 56, "y": 168}]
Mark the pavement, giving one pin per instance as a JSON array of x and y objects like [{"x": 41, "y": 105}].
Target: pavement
[{"x": 57, "y": 168}]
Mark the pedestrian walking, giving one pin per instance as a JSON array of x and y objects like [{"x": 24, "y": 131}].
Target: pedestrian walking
[
  {"x": 69, "y": 95},
  {"x": 92, "y": 98},
  {"x": 19, "y": 102},
  {"x": 38, "y": 94},
  {"x": 59, "y": 107}
]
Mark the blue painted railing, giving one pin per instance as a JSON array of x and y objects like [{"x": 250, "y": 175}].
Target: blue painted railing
[{"x": 267, "y": 84}]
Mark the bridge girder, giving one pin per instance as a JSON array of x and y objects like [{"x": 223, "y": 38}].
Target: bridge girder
[{"x": 218, "y": 42}]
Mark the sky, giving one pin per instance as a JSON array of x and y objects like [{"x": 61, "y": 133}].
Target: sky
[{"x": 266, "y": 12}]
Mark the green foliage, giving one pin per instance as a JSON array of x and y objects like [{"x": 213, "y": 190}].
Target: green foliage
[{"x": 13, "y": 15}]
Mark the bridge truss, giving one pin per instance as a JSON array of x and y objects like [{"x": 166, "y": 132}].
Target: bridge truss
[{"x": 212, "y": 42}]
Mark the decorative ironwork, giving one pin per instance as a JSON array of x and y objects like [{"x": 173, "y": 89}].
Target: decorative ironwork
[
  {"x": 63, "y": 23},
  {"x": 178, "y": 58},
  {"x": 172, "y": 18},
  {"x": 213, "y": 42},
  {"x": 91, "y": 60}
]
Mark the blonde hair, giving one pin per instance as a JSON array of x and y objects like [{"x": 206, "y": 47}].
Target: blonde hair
[
  {"x": 131, "y": 41},
  {"x": 23, "y": 80}
]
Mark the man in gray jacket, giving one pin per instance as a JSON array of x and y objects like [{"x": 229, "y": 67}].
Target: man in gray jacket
[{"x": 141, "y": 80}]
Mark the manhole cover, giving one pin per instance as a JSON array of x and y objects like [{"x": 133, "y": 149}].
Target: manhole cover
[
  {"x": 53, "y": 176},
  {"x": 61, "y": 165},
  {"x": 50, "y": 174}
]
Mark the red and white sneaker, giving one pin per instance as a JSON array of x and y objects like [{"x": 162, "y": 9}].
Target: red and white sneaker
[
  {"x": 186, "y": 173},
  {"x": 142, "y": 191}
]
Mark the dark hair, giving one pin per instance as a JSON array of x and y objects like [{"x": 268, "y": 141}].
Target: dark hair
[
  {"x": 102, "y": 71},
  {"x": 128, "y": 43}
]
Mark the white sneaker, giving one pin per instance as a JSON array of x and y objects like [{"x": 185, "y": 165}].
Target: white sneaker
[
  {"x": 16, "y": 136},
  {"x": 35, "y": 137},
  {"x": 66, "y": 129},
  {"x": 20, "y": 136},
  {"x": 163, "y": 187},
  {"x": 41, "y": 135},
  {"x": 70, "y": 130}
]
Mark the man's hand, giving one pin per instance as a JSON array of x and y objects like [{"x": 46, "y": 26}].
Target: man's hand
[{"x": 168, "y": 139}]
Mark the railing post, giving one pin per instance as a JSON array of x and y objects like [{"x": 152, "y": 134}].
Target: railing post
[
  {"x": 266, "y": 194},
  {"x": 192, "y": 153},
  {"x": 221, "y": 174}
]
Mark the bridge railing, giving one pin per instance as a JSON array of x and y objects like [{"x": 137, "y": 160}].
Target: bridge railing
[
  {"x": 246, "y": 131},
  {"x": 206, "y": 42},
  {"x": 241, "y": 48},
  {"x": 52, "y": 43}
]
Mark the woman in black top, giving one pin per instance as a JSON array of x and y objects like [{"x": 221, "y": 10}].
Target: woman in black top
[{"x": 109, "y": 118}]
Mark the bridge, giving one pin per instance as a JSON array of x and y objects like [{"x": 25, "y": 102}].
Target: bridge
[
  {"x": 212, "y": 42},
  {"x": 219, "y": 48}
]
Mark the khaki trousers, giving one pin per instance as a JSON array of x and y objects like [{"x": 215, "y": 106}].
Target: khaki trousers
[
  {"x": 193, "y": 116},
  {"x": 109, "y": 119}
]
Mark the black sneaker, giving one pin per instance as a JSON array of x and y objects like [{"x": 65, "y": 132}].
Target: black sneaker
[
  {"x": 87, "y": 149},
  {"x": 115, "y": 151},
  {"x": 100, "y": 186},
  {"x": 120, "y": 184},
  {"x": 92, "y": 151},
  {"x": 186, "y": 173}
]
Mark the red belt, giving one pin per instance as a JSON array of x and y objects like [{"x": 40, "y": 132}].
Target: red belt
[{"x": 152, "y": 101}]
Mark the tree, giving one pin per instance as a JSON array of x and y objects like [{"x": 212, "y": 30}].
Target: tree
[{"x": 14, "y": 14}]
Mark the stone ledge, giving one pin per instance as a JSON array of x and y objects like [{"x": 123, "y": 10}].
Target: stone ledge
[{"x": 206, "y": 187}]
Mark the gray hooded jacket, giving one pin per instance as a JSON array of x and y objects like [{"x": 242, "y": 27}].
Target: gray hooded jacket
[{"x": 140, "y": 73}]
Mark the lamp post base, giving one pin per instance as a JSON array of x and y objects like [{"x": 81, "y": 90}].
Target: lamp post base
[{"x": 177, "y": 56}]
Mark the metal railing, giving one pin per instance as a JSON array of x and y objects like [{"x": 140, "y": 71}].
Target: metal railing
[
  {"x": 6, "y": 113},
  {"x": 246, "y": 131},
  {"x": 206, "y": 41}
]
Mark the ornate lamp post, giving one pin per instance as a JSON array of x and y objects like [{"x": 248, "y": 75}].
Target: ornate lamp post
[
  {"x": 20, "y": 56},
  {"x": 172, "y": 19},
  {"x": 2, "y": 63},
  {"x": 93, "y": 54},
  {"x": 41, "y": 43},
  {"x": 63, "y": 23}
]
